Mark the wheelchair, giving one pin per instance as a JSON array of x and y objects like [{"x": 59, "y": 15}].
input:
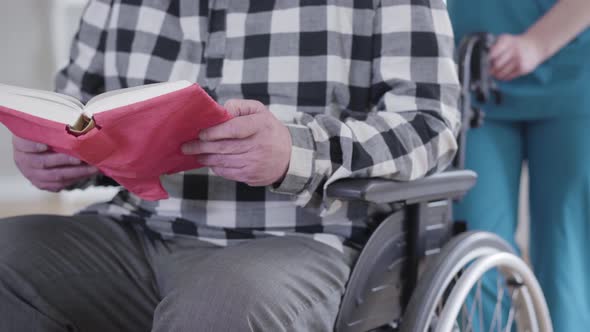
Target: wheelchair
[{"x": 421, "y": 271}]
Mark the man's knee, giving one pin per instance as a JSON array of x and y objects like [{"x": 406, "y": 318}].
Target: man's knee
[
  {"x": 244, "y": 304},
  {"x": 59, "y": 272},
  {"x": 21, "y": 234},
  {"x": 42, "y": 247},
  {"x": 272, "y": 293},
  {"x": 22, "y": 244},
  {"x": 27, "y": 245}
]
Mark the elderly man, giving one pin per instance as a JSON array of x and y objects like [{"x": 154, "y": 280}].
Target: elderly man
[{"x": 320, "y": 90}]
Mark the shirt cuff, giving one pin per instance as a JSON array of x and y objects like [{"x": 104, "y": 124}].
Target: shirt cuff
[{"x": 301, "y": 166}]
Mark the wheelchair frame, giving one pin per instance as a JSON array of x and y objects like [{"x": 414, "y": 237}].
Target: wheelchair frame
[
  {"x": 385, "y": 275},
  {"x": 387, "y": 269}
]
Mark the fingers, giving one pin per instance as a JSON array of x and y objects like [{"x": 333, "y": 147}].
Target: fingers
[
  {"x": 236, "y": 128},
  {"x": 58, "y": 186},
  {"x": 503, "y": 43},
  {"x": 253, "y": 148},
  {"x": 512, "y": 75},
  {"x": 244, "y": 124},
  {"x": 236, "y": 168},
  {"x": 509, "y": 69},
  {"x": 46, "y": 160},
  {"x": 504, "y": 57},
  {"x": 24, "y": 145},
  {"x": 62, "y": 174},
  {"x": 514, "y": 56},
  {"x": 233, "y": 174},
  {"x": 242, "y": 107},
  {"x": 222, "y": 160},
  {"x": 48, "y": 170},
  {"x": 502, "y": 60},
  {"x": 239, "y": 175},
  {"x": 216, "y": 147}
]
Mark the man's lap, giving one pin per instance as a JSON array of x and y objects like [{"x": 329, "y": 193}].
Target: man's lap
[
  {"x": 94, "y": 273},
  {"x": 277, "y": 282},
  {"x": 82, "y": 273}
]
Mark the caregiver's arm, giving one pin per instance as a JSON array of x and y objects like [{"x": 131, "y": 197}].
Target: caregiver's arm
[
  {"x": 560, "y": 25},
  {"x": 516, "y": 55}
]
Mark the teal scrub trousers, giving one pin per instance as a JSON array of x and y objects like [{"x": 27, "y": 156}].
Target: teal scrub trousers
[{"x": 558, "y": 154}]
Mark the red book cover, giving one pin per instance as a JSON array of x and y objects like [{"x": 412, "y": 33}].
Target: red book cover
[{"x": 134, "y": 144}]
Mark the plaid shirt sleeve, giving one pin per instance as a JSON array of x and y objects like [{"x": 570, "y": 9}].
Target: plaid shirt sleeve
[
  {"x": 410, "y": 130},
  {"x": 83, "y": 77}
]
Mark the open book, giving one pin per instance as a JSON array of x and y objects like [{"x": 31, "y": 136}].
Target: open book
[{"x": 133, "y": 135}]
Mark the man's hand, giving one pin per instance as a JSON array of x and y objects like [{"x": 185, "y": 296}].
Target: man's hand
[
  {"x": 514, "y": 56},
  {"x": 253, "y": 148},
  {"x": 48, "y": 170}
]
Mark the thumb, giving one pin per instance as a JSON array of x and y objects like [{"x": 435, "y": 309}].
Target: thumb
[{"x": 243, "y": 107}]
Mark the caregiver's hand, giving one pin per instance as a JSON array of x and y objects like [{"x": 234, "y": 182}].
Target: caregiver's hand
[
  {"x": 515, "y": 55},
  {"x": 48, "y": 170},
  {"x": 253, "y": 148}
]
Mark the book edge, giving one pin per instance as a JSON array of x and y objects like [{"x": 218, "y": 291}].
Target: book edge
[{"x": 120, "y": 100}]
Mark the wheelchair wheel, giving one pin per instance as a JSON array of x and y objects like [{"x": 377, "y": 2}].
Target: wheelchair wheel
[{"x": 449, "y": 294}]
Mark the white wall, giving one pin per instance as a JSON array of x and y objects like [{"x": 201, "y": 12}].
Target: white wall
[
  {"x": 26, "y": 58},
  {"x": 35, "y": 37}
]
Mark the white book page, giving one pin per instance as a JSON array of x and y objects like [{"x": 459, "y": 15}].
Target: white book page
[
  {"x": 46, "y": 108},
  {"x": 65, "y": 109},
  {"x": 118, "y": 98},
  {"x": 54, "y": 96}
]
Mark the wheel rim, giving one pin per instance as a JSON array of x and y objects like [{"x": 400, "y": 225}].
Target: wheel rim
[
  {"x": 534, "y": 315},
  {"x": 471, "y": 316},
  {"x": 465, "y": 260},
  {"x": 436, "y": 282}
]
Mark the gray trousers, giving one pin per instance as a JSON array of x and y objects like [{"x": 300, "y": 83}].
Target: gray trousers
[{"x": 90, "y": 273}]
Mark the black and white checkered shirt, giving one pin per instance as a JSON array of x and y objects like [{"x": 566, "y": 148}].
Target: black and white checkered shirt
[{"x": 367, "y": 88}]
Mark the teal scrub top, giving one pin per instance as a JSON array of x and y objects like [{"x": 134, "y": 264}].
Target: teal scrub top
[{"x": 559, "y": 86}]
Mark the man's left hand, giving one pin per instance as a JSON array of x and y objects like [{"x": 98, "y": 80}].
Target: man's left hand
[{"x": 254, "y": 147}]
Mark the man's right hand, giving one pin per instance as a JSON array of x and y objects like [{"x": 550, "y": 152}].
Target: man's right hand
[{"x": 48, "y": 170}]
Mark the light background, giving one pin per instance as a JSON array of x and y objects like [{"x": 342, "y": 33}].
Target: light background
[{"x": 35, "y": 37}]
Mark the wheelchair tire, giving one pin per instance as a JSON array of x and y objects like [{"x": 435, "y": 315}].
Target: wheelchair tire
[{"x": 457, "y": 268}]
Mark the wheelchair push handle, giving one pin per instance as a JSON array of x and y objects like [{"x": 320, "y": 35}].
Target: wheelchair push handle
[{"x": 476, "y": 80}]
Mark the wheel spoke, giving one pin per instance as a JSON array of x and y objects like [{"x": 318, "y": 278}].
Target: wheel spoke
[
  {"x": 456, "y": 281},
  {"x": 472, "y": 310},
  {"x": 480, "y": 303},
  {"x": 464, "y": 314},
  {"x": 511, "y": 312},
  {"x": 497, "y": 318}
]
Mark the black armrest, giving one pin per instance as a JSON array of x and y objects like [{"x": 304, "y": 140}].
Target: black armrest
[{"x": 449, "y": 184}]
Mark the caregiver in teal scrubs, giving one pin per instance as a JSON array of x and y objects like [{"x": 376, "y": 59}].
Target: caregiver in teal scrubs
[{"x": 542, "y": 63}]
